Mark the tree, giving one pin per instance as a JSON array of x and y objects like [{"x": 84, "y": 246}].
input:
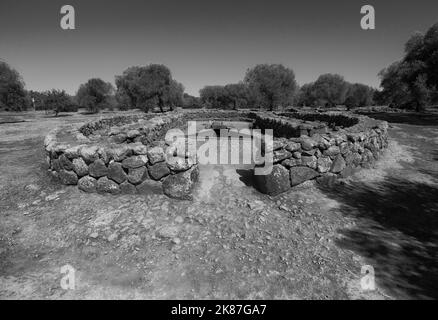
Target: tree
[
  {"x": 413, "y": 81},
  {"x": 57, "y": 100},
  {"x": 191, "y": 102},
  {"x": 213, "y": 97},
  {"x": 149, "y": 87},
  {"x": 414, "y": 46},
  {"x": 359, "y": 95},
  {"x": 421, "y": 93},
  {"x": 95, "y": 94},
  {"x": 430, "y": 56},
  {"x": 230, "y": 96},
  {"x": 271, "y": 85},
  {"x": 13, "y": 96},
  {"x": 330, "y": 90},
  {"x": 306, "y": 96},
  {"x": 173, "y": 95},
  {"x": 396, "y": 91},
  {"x": 236, "y": 95}
]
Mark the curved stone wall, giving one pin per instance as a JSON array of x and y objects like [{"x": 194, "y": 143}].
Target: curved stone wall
[
  {"x": 340, "y": 146},
  {"x": 127, "y": 154}
]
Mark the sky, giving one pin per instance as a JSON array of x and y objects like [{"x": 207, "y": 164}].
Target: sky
[{"x": 205, "y": 42}]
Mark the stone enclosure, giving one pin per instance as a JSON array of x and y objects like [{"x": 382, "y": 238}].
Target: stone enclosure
[{"x": 127, "y": 154}]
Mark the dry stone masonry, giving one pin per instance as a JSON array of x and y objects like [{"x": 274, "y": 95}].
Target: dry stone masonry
[{"x": 126, "y": 154}]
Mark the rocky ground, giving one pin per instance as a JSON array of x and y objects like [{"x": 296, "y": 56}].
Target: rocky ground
[{"x": 230, "y": 241}]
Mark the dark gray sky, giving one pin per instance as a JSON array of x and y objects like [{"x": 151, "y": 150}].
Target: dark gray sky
[{"x": 205, "y": 42}]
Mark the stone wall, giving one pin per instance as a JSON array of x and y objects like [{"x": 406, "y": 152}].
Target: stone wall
[
  {"x": 325, "y": 154},
  {"x": 127, "y": 154},
  {"x": 120, "y": 163}
]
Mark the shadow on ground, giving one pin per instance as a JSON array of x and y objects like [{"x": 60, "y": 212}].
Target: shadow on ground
[
  {"x": 247, "y": 177},
  {"x": 420, "y": 119},
  {"x": 396, "y": 232}
]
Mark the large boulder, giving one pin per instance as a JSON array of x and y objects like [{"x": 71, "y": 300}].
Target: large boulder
[
  {"x": 155, "y": 154},
  {"x": 280, "y": 155},
  {"x": 73, "y": 151},
  {"x": 150, "y": 187},
  {"x": 89, "y": 153},
  {"x": 180, "y": 185},
  {"x": 332, "y": 151},
  {"x": 299, "y": 175},
  {"x": 134, "y": 162},
  {"x": 137, "y": 175},
  {"x": 68, "y": 177},
  {"x": 127, "y": 188},
  {"x": 56, "y": 165},
  {"x": 138, "y": 148},
  {"x": 308, "y": 143},
  {"x": 274, "y": 183},
  {"x": 344, "y": 147},
  {"x": 87, "y": 184},
  {"x": 104, "y": 154},
  {"x": 158, "y": 170},
  {"x": 98, "y": 169},
  {"x": 105, "y": 185},
  {"x": 80, "y": 167},
  {"x": 120, "y": 152},
  {"x": 288, "y": 163},
  {"x": 118, "y": 138},
  {"x": 65, "y": 163},
  {"x": 324, "y": 164},
  {"x": 178, "y": 164},
  {"x": 338, "y": 164},
  {"x": 309, "y": 161},
  {"x": 353, "y": 158},
  {"x": 116, "y": 172},
  {"x": 293, "y": 146}
]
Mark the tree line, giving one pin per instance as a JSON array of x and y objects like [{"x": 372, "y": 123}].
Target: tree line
[
  {"x": 273, "y": 86},
  {"x": 146, "y": 88},
  {"x": 411, "y": 83}
]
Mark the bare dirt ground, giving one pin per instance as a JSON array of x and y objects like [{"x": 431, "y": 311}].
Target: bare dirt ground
[{"x": 230, "y": 242}]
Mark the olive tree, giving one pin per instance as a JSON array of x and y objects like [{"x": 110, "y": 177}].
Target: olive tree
[
  {"x": 57, "y": 100},
  {"x": 330, "y": 90},
  {"x": 271, "y": 85},
  {"x": 149, "y": 87},
  {"x": 95, "y": 94}
]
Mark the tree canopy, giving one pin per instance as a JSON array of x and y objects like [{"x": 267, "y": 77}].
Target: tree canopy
[
  {"x": 330, "y": 89},
  {"x": 57, "y": 100},
  {"x": 230, "y": 96},
  {"x": 95, "y": 94},
  {"x": 271, "y": 85},
  {"x": 149, "y": 87},
  {"x": 413, "y": 81},
  {"x": 359, "y": 95},
  {"x": 13, "y": 96}
]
